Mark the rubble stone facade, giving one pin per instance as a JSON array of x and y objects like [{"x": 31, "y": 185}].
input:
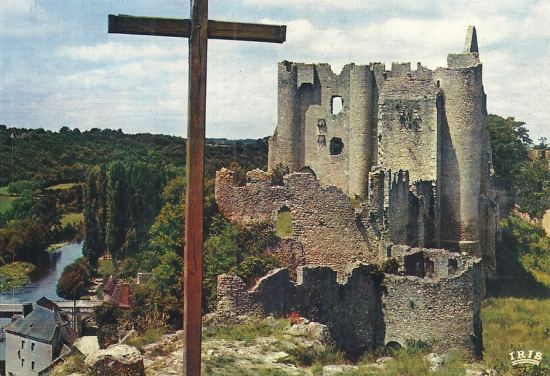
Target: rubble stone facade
[
  {"x": 385, "y": 165},
  {"x": 434, "y": 297},
  {"x": 430, "y": 123}
]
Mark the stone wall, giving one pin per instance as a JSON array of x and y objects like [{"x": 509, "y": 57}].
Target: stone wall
[
  {"x": 442, "y": 306},
  {"x": 408, "y": 126},
  {"x": 368, "y": 309},
  {"x": 326, "y": 228},
  {"x": 431, "y": 123}
]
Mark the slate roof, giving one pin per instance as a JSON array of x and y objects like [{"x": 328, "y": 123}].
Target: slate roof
[
  {"x": 41, "y": 324},
  {"x": 47, "y": 303}
]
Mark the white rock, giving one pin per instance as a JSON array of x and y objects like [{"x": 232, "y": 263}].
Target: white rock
[
  {"x": 116, "y": 360},
  {"x": 338, "y": 369},
  {"x": 312, "y": 330},
  {"x": 384, "y": 360},
  {"x": 436, "y": 361}
]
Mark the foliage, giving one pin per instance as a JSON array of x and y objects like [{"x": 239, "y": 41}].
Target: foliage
[
  {"x": 531, "y": 187},
  {"x": 150, "y": 335},
  {"x": 20, "y": 186},
  {"x": 15, "y": 274},
  {"x": 22, "y": 240},
  {"x": 74, "y": 281},
  {"x": 73, "y": 364},
  {"x": 108, "y": 318},
  {"x": 523, "y": 260},
  {"x": 509, "y": 143},
  {"x": 121, "y": 202},
  {"x": 239, "y": 250},
  {"x": 105, "y": 268},
  {"x": 50, "y": 158},
  {"x": 528, "y": 181},
  {"x": 247, "y": 331}
]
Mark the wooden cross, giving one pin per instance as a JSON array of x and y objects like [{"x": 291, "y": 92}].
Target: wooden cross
[{"x": 198, "y": 29}]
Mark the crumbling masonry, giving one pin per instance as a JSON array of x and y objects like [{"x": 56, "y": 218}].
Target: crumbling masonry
[{"x": 380, "y": 161}]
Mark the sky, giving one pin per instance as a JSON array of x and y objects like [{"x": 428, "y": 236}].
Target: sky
[{"x": 59, "y": 66}]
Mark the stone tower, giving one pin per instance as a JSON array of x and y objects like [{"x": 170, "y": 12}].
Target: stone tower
[{"x": 431, "y": 124}]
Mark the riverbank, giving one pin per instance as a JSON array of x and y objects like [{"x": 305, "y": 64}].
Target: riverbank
[
  {"x": 56, "y": 247},
  {"x": 43, "y": 279},
  {"x": 15, "y": 275}
]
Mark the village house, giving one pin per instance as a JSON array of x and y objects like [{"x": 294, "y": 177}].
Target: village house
[{"x": 35, "y": 341}]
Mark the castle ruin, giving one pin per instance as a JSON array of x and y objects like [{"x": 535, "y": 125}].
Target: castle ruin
[{"x": 380, "y": 161}]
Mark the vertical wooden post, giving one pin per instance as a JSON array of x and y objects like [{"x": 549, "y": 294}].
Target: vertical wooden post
[{"x": 194, "y": 207}]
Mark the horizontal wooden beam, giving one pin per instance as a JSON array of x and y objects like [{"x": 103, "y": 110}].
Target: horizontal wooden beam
[
  {"x": 246, "y": 31},
  {"x": 166, "y": 27},
  {"x": 170, "y": 27}
]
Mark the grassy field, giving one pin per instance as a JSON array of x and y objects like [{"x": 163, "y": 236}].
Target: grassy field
[
  {"x": 72, "y": 218},
  {"x": 15, "y": 275},
  {"x": 63, "y": 186},
  {"x": 149, "y": 336},
  {"x": 6, "y": 203},
  {"x": 4, "y": 191},
  {"x": 515, "y": 324}
]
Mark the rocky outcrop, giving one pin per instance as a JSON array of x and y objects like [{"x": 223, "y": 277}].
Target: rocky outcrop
[{"x": 116, "y": 360}]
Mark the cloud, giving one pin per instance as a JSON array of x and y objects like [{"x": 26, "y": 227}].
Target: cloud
[
  {"x": 11, "y": 7},
  {"x": 30, "y": 20},
  {"x": 334, "y": 5},
  {"x": 140, "y": 84},
  {"x": 117, "y": 51}
]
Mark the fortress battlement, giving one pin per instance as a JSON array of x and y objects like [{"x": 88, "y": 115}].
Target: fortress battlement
[{"x": 388, "y": 168}]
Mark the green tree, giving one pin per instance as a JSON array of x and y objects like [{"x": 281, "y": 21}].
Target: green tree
[
  {"x": 74, "y": 282},
  {"x": 168, "y": 288},
  {"x": 509, "y": 143}
]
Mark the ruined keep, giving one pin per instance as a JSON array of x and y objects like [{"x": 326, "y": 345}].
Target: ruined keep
[
  {"x": 383, "y": 165},
  {"x": 431, "y": 124}
]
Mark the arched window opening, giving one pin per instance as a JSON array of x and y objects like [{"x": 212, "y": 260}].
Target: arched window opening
[
  {"x": 336, "y": 146},
  {"x": 336, "y": 105},
  {"x": 284, "y": 227}
]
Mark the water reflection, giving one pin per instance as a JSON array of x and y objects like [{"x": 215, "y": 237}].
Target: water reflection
[{"x": 44, "y": 277}]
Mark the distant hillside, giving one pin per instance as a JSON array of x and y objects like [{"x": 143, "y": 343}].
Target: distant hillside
[{"x": 50, "y": 158}]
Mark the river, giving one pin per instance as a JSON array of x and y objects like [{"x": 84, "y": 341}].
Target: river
[{"x": 44, "y": 277}]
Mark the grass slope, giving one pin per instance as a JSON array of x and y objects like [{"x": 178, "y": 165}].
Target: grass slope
[{"x": 15, "y": 275}]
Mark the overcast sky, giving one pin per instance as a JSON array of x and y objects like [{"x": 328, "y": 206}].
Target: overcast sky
[{"x": 59, "y": 67}]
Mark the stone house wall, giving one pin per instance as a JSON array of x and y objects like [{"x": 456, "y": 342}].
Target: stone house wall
[
  {"x": 41, "y": 354},
  {"x": 326, "y": 228}
]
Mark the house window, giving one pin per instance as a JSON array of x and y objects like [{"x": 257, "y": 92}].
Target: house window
[
  {"x": 32, "y": 365},
  {"x": 32, "y": 346},
  {"x": 22, "y": 362},
  {"x": 22, "y": 344}
]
